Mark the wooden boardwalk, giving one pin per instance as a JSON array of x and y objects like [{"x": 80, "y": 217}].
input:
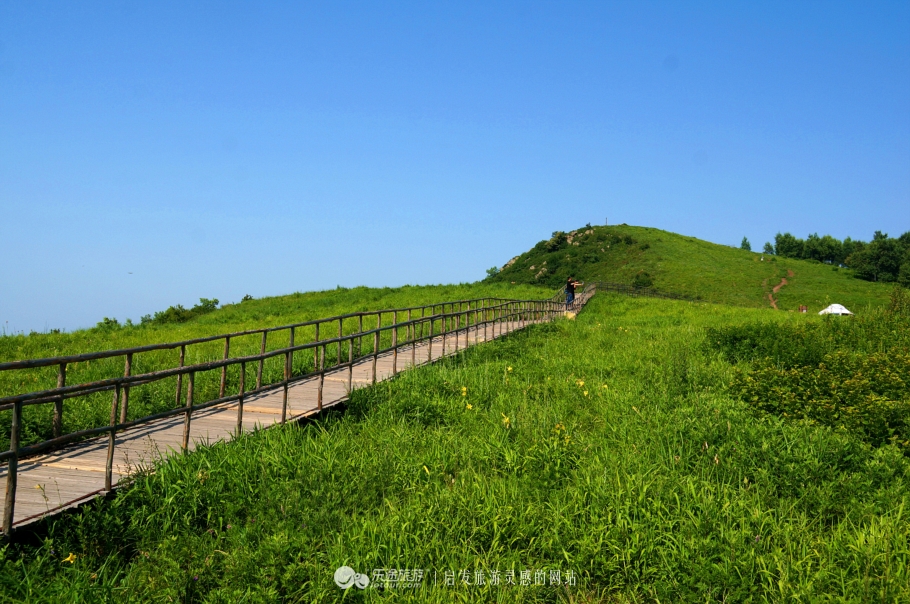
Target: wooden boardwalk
[{"x": 68, "y": 477}]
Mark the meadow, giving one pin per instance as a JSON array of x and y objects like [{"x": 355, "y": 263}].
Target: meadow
[{"x": 610, "y": 449}]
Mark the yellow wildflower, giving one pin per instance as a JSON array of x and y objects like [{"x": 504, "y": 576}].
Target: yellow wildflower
[
  {"x": 509, "y": 369},
  {"x": 506, "y": 421},
  {"x": 586, "y": 393},
  {"x": 71, "y": 558},
  {"x": 469, "y": 406},
  {"x": 427, "y": 470},
  {"x": 464, "y": 391}
]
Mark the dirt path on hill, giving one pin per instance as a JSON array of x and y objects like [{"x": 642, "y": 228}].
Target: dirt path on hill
[{"x": 776, "y": 289}]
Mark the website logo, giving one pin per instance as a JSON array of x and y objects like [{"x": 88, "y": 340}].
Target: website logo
[{"x": 346, "y": 576}]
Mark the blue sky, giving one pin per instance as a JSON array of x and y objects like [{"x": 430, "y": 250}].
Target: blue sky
[{"x": 154, "y": 154}]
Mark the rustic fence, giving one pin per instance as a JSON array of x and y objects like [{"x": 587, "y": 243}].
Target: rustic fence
[{"x": 336, "y": 343}]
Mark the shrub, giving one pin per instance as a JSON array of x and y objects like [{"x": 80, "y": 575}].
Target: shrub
[
  {"x": 557, "y": 241},
  {"x": 866, "y": 394},
  {"x": 642, "y": 279},
  {"x": 179, "y": 314},
  {"x": 108, "y": 324},
  {"x": 847, "y": 374}
]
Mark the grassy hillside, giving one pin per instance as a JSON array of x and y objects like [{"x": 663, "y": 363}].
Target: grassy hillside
[
  {"x": 609, "y": 447},
  {"x": 686, "y": 265}
]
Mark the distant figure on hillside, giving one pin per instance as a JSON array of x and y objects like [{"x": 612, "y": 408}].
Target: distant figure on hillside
[{"x": 571, "y": 283}]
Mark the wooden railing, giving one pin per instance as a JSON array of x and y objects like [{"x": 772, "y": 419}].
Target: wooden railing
[{"x": 340, "y": 350}]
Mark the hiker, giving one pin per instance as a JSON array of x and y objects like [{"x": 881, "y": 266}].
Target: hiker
[{"x": 570, "y": 291}]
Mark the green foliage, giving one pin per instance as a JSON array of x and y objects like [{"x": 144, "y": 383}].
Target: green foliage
[
  {"x": 556, "y": 242},
  {"x": 866, "y": 394},
  {"x": 657, "y": 487},
  {"x": 882, "y": 259},
  {"x": 745, "y": 245},
  {"x": 643, "y": 279},
  {"x": 492, "y": 271},
  {"x": 178, "y": 314},
  {"x": 846, "y": 373},
  {"x": 769, "y": 249},
  {"x": 899, "y": 305},
  {"x": 105, "y": 324}
]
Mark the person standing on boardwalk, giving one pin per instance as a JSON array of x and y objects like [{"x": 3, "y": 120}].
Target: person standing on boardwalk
[{"x": 571, "y": 283}]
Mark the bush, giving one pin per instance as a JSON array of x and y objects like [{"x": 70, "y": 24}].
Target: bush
[
  {"x": 847, "y": 374},
  {"x": 867, "y": 395},
  {"x": 108, "y": 324},
  {"x": 557, "y": 241},
  {"x": 642, "y": 279},
  {"x": 179, "y": 314}
]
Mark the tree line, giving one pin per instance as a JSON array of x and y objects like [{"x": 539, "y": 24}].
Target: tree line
[{"x": 882, "y": 259}]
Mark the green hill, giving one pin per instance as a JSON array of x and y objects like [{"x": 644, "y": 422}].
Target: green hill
[{"x": 686, "y": 265}]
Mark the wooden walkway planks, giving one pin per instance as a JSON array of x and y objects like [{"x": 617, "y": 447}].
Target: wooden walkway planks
[{"x": 50, "y": 483}]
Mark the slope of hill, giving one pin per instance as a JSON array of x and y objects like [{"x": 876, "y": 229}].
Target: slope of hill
[{"x": 676, "y": 263}]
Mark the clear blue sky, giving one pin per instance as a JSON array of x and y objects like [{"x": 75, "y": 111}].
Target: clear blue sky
[{"x": 154, "y": 154}]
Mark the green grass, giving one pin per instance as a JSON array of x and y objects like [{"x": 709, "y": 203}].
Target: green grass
[
  {"x": 623, "y": 459},
  {"x": 94, "y": 410},
  {"x": 686, "y": 265}
]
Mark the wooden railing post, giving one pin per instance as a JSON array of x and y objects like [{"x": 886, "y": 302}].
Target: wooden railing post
[
  {"x": 316, "y": 349},
  {"x": 483, "y": 316},
  {"x": 180, "y": 377},
  {"x": 291, "y": 355},
  {"x": 338, "y": 354},
  {"x": 227, "y": 350},
  {"x": 350, "y": 365},
  {"x": 189, "y": 411},
  {"x": 58, "y": 403},
  {"x": 111, "y": 442},
  {"x": 284, "y": 395},
  {"x": 430, "y": 342},
  {"x": 395, "y": 343},
  {"x": 124, "y": 404},
  {"x": 262, "y": 360},
  {"x": 457, "y": 318},
  {"x": 12, "y": 469},
  {"x": 375, "y": 352},
  {"x": 321, "y": 370},
  {"x": 412, "y": 336},
  {"x": 240, "y": 393},
  {"x": 360, "y": 330},
  {"x": 444, "y": 329}
]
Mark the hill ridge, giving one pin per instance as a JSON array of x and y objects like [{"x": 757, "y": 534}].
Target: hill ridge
[{"x": 688, "y": 266}]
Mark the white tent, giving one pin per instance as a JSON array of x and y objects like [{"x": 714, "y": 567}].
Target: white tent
[{"x": 835, "y": 309}]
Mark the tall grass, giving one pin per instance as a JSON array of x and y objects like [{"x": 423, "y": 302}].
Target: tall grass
[{"x": 606, "y": 446}]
